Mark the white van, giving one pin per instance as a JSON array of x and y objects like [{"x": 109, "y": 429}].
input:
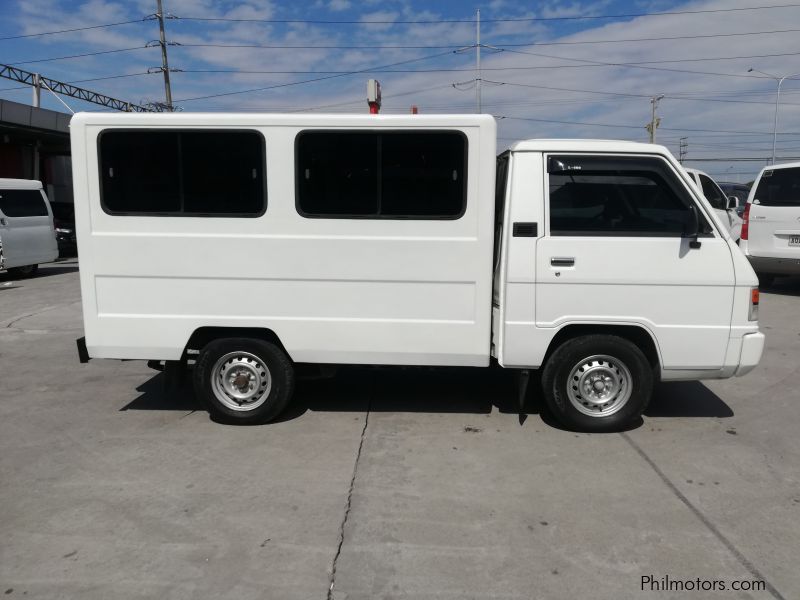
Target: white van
[
  {"x": 242, "y": 245},
  {"x": 771, "y": 230},
  {"x": 26, "y": 227},
  {"x": 724, "y": 206}
]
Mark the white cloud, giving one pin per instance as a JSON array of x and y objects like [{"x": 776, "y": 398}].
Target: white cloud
[{"x": 339, "y": 5}]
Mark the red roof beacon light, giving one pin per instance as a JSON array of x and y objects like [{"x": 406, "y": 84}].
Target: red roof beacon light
[{"x": 374, "y": 96}]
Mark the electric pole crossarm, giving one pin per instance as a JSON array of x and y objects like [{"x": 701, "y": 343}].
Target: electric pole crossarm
[{"x": 67, "y": 89}]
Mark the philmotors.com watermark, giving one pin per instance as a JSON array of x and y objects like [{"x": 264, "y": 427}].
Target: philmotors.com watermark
[{"x": 665, "y": 583}]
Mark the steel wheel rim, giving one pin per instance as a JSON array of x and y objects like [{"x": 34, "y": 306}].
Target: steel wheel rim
[
  {"x": 241, "y": 381},
  {"x": 599, "y": 385}
]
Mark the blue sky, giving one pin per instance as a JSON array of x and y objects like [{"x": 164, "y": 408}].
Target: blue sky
[{"x": 547, "y": 76}]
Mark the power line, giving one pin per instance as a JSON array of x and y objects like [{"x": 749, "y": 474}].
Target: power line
[
  {"x": 633, "y": 65},
  {"x": 621, "y": 126},
  {"x": 292, "y": 83},
  {"x": 469, "y": 69},
  {"x": 27, "y": 35},
  {"x": 505, "y": 20},
  {"x": 628, "y": 95},
  {"x": 41, "y": 60},
  {"x": 407, "y": 47}
]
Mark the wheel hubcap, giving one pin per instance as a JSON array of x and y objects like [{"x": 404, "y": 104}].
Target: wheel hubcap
[
  {"x": 599, "y": 386},
  {"x": 241, "y": 381}
]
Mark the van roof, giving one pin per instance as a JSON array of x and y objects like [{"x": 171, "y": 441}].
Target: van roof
[
  {"x": 584, "y": 145},
  {"x": 260, "y": 119},
  {"x": 20, "y": 184}
]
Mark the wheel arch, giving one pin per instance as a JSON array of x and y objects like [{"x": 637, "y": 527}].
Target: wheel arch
[
  {"x": 637, "y": 334},
  {"x": 202, "y": 336}
]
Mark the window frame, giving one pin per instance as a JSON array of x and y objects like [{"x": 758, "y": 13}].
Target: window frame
[
  {"x": 704, "y": 218},
  {"x": 180, "y": 175},
  {"x": 378, "y": 158}
]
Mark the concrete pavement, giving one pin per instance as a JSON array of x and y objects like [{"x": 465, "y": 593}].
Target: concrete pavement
[{"x": 390, "y": 484}]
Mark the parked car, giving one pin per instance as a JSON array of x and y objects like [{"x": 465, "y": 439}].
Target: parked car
[
  {"x": 724, "y": 205},
  {"x": 26, "y": 227},
  {"x": 237, "y": 246},
  {"x": 771, "y": 229},
  {"x": 64, "y": 221},
  {"x": 739, "y": 190}
]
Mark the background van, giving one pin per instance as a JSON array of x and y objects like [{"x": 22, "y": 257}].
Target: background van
[
  {"x": 724, "y": 205},
  {"x": 26, "y": 226},
  {"x": 771, "y": 229}
]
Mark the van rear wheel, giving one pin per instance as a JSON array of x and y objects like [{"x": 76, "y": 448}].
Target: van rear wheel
[
  {"x": 243, "y": 380},
  {"x": 24, "y": 272},
  {"x": 597, "y": 383}
]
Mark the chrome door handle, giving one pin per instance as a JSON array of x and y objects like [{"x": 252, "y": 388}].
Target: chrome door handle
[{"x": 562, "y": 261}]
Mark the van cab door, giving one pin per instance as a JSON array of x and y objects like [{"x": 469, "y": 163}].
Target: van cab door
[
  {"x": 26, "y": 228},
  {"x": 615, "y": 251}
]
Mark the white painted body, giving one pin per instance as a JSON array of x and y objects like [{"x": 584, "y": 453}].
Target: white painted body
[
  {"x": 27, "y": 240},
  {"x": 727, "y": 216},
  {"x": 402, "y": 292},
  {"x": 772, "y": 229}
]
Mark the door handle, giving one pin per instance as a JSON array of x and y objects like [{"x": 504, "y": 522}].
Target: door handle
[
  {"x": 562, "y": 261},
  {"x": 2, "y": 222}
]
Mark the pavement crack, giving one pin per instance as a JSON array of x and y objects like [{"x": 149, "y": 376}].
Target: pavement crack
[
  {"x": 751, "y": 568},
  {"x": 348, "y": 504},
  {"x": 10, "y": 324}
]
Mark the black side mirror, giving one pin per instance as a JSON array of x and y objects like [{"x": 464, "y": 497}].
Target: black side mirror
[{"x": 693, "y": 227}]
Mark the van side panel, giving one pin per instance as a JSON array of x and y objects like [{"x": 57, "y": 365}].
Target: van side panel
[{"x": 357, "y": 291}]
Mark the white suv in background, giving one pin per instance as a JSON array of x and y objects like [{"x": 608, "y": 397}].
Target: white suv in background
[
  {"x": 771, "y": 228},
  {"x": 724, "y": 206}
]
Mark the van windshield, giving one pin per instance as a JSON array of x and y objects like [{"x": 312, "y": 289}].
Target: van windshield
[{"x": 779, "y": 187}]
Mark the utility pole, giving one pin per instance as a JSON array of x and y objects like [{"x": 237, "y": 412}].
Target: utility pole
[
  {"x": 478, "y": 61},
  {"x": 654, "y": 121},
  {"x": 37, "y": 90},
  {"x": 683, "y": 148},
  {"x": 164, "y": 62}
]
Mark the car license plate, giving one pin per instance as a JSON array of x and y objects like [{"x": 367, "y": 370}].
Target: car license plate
[{"x": 794, "y": 240}]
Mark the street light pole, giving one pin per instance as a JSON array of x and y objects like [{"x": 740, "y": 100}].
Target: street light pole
[{"x": 780, "y": 81}]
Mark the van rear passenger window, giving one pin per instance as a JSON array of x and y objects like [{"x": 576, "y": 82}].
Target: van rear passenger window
[
  {"x": 182, "y": 172},
  {"x": 386, "y": 175},
  {"x": 22, "y": 203},
  {"x": 617, "y": 196}
]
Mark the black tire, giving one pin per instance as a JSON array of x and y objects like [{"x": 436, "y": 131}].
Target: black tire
[
  {"x": 269, "y": 359},
  {"x": 558, "y": 374},
  {"x": 24, "y": 272}
]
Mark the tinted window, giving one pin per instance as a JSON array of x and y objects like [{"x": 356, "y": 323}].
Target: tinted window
[
  {"x": 779, "y": 187},
  {"x": 616, "y": 196},
  {"x": 712, "y": 193},
  {"x": 419, "y": 175},
  {"x": 22, "y": 203},
  {"x": 337, "y": 174},
  {"x": 182, "y": 173}
]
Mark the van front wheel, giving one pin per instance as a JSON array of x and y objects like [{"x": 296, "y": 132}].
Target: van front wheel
[
  {"x": 597, "y": 383},
  {"x": 243, "y": 380}
]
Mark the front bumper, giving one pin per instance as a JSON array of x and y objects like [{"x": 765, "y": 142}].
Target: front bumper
[{"x": 750, "y": 355}]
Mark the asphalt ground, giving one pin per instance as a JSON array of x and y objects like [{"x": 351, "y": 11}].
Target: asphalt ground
[{"x": 394, "y": 483}]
